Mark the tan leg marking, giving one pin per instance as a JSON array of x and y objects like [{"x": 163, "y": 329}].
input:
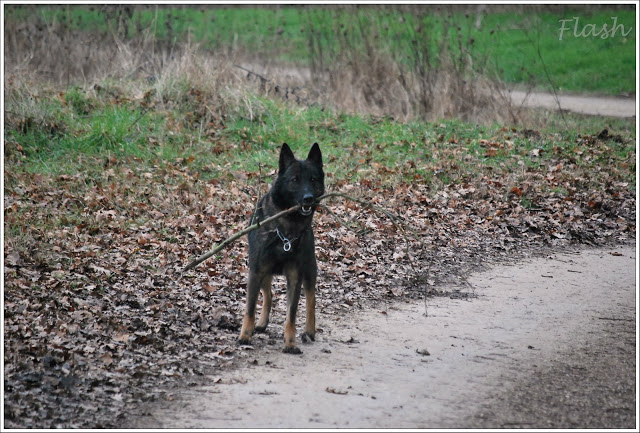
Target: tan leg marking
[
  {"x": 310, "y": 322},
  {"x": 248, "y": 325},
  {"x": 267, "y": 302}
]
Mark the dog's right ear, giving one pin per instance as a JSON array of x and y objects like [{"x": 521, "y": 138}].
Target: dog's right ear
[
  {"x": 315, "y": 155},
  {"x": 286, "y": 157}
]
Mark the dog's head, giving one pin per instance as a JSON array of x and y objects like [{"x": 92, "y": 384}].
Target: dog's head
[{"x": 299, "y": 181}]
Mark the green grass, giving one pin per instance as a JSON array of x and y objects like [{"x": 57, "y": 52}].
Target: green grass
[
  {"x": 79, "y": 131},
  {"x": 525, "y": 45},
  {"x": 517, "y": 47},
  {"x": 57, "y": 145}
]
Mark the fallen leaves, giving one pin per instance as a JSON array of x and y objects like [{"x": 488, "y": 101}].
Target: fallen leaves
[
  {"x": 96, "y": 296},
  {"x": 98, "y": 317}
]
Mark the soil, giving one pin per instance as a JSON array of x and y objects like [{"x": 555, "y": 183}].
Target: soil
[{"x": 546, "y": 343}]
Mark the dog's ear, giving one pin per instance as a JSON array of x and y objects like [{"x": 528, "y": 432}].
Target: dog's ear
[
  {"x": 286, "y": 157},
  {"x": 315, "y": 155}
]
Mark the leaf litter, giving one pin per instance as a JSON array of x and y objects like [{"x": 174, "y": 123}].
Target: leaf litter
[{"x": 98, "y": 320}]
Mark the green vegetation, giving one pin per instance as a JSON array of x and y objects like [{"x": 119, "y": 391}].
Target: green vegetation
[
  {"x": 526, "y": 45},
  {"x": 516, "y": 47},
  {"x": 78, "y": 130}
]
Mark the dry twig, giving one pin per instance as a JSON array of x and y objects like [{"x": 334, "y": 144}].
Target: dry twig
[
  {"x": 238, "y": 235},
  {"x": 394, "y": 219}
]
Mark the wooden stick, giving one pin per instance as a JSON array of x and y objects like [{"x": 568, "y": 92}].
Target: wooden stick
[
  {"x": 238, "y": 235},
  {"x": 394, "y": 219}
]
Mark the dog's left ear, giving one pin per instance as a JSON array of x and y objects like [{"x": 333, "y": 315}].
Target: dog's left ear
[{"x": 315, "y": 155}]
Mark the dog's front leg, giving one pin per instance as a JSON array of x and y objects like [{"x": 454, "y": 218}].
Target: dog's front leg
[
  {"x": 294, "y": 285},
  {"x": 267, "y": 302},
  {"x": 309, "y": 334},
  {"x": 249, "y": 320}
]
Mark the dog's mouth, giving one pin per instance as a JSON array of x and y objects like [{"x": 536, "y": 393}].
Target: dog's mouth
[{"x": 306, "y": 210}]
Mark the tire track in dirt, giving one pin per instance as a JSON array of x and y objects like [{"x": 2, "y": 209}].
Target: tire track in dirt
[{"x": 458, "y": 367}]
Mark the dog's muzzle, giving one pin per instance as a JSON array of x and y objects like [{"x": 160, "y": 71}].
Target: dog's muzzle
[
  {"x": 306, "y": 210},
  {"x": 307, "y": 203}
]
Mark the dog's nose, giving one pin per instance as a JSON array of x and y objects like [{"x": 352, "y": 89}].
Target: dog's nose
[{"x": 307, "y": 199}]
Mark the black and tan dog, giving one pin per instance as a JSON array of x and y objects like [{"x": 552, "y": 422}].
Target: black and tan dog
[{"x": 286, "y": 246}]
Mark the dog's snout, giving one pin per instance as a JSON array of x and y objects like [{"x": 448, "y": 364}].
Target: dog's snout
[{"x": 308, "y": 199}]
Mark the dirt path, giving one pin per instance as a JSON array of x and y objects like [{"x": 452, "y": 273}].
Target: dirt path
[
  {"x": 593, "y": 105},
  {"x": 546, "y": 343}
]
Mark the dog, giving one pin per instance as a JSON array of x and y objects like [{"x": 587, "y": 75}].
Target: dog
[{"x": 285, "y": 246}]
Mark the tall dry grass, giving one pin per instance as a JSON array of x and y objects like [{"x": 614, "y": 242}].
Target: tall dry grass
[
  {"x": 421, "y": 82},
  {"x": 359, "y": 78},
  {"x": 40, "y": 55}
]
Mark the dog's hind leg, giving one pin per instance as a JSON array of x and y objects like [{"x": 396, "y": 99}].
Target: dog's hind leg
[
  {"x": 294, "y": 284},
  {"x": 249, "y": 320},
  {"x": 309, "y": 285},
  {"x": 267, "y": 302}
]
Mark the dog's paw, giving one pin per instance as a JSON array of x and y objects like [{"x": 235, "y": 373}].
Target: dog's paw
[
  {"x": 307, "y": 337},
  {"x": 243, "y": 342},
  {"x": 292, "y": 349},
  {"x": 260, "y": 329}
]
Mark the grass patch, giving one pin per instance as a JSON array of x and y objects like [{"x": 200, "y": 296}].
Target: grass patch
[
  {"x": 527, "y": 47},
  {"x": 66, "y": 130}
]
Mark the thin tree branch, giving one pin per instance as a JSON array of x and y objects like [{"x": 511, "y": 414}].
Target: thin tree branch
[
  {"x": 238, "y": 235},
  {"x": 342, "y": 222},
  {"x": 394, "y": 219}
]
